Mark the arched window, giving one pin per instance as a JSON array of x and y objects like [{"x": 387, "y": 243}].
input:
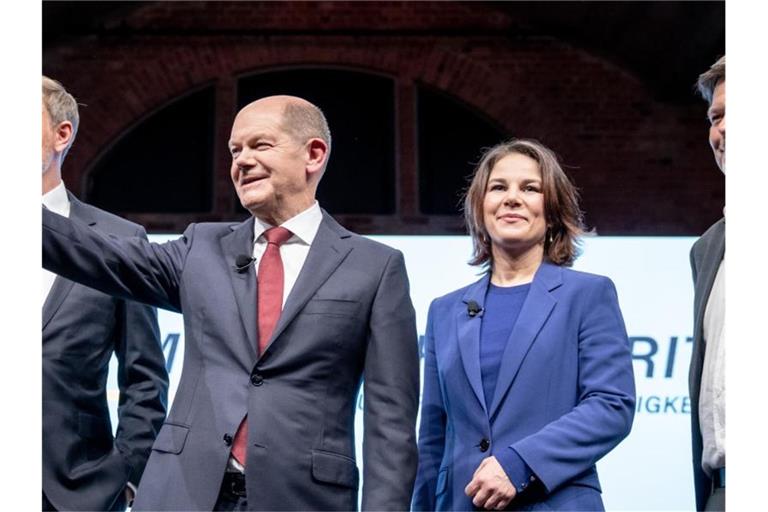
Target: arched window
[
  {"x": 360, "y": 108},
  {"x": 162, "y": 164},
  {"x": 451, "y": 138},
  {"x": 165, "y": 163}
]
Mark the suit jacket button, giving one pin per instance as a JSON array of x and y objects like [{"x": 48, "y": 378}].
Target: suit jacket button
[
  {"x": 484, "y": 445},
  {"x": 227, "y": 439},
  {"x": 256, "y": 379}
]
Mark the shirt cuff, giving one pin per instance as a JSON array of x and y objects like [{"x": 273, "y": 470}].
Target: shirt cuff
[
  {"x": 516, "y": 469},
  {"x": 132, "y": 496}
]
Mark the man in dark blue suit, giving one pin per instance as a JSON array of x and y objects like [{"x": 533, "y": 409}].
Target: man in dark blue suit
[
  {"x": 707, "y": 371},
  {"x": 84, "y": 466},
  {"x": 284, "y": 314}
]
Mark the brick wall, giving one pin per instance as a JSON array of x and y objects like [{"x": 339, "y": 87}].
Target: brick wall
[{"x": 644, "y": 166}]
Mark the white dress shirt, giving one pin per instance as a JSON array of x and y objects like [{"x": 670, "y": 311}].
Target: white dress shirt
[
  {"x": 293, "y": 253},
  {"x": 57, "y": 201},
  {"x": 712, "y": 397}
]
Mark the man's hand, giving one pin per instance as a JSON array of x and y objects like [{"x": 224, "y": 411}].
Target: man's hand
[{"x": 490, "y": 488}]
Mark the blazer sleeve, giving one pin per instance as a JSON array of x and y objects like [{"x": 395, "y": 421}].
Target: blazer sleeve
[
  {"x": 143, "y": 382},
  {"x": 126, "y": 267},
  {"x": 432, "y": 428},
  {"x": 606, "y": 403},
  {"x": 391, "y": 387}
]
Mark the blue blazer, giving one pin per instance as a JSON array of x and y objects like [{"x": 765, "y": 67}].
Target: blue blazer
[{"x": 564, "y": 398}]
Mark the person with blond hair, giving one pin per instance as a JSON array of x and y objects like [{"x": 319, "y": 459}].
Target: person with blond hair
[{"x": 85, "y": 467}]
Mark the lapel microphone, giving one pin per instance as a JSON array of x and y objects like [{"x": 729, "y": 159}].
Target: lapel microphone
[
  {"x": 473, "y": 309},
  {"x": 242, "y": 262}
]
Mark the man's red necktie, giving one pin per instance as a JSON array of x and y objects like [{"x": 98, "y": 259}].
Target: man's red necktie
[{"x": 270, "y": 304}]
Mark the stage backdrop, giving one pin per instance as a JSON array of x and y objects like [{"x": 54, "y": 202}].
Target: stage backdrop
[{"x": 651, "y": 469}]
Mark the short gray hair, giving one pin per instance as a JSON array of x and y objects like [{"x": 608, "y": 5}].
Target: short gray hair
[
  {"x": 61, "y": 106},
  {"x": 710, "y": 78},
  {"x": 304, "y": 121}
]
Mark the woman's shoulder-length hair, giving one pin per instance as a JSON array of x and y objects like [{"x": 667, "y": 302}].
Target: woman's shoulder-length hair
[{"x": 561, "y": 203}]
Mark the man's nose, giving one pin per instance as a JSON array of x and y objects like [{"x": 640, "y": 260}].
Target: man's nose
[{"x": 243, "y": 160}]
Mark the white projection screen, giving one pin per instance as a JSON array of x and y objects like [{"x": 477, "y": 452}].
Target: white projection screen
[{"x": 650, "y": 469}]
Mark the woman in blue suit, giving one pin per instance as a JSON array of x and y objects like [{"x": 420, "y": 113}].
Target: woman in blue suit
[{"x": 528, "y": 376}]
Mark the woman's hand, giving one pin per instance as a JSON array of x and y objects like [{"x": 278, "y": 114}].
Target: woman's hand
[{"x": 490, "y": 487}]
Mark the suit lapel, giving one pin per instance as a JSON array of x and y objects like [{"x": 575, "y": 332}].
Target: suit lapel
[
  {"x": 240, "y": 241},
  {"x": 468, "y": 337},
  {"x": 61, "y": 286},
  {"x": 327, "y": 252},
  {"x": 536, "y": 309}
]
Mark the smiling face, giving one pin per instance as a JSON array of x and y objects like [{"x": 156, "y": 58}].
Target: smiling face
[
  {"x": 269, "y": 167},
  {"x": 716, "y": 114},
  {"x": 513, "y": 206}
]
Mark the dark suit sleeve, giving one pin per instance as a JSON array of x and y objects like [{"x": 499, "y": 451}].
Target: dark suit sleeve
[
  {"x": 432, "y": 428},
  {"x": 125, "y": 267},
  {"x": 143, "y": 382},
  {"x": 391, "y": 394},
  {"x": 603, "y": 416}
]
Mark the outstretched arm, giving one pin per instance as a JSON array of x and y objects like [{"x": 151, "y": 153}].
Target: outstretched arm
[{"x": 127, "y": 267}]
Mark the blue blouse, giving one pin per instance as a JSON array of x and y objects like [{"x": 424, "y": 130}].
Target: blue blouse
[{"x": 501, "y": 309}]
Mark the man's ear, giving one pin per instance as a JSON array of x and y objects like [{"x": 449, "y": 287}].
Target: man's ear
[
  {"x": 317, "y": 154},
  {"x": 63, "y": 135}
]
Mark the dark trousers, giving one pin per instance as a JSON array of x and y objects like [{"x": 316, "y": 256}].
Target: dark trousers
[{"x": 232, "y": 494}]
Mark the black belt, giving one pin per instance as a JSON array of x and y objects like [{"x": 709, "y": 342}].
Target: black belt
[
  {"x": 233, "y": 484},
  {"x": 718, "y": 478}
]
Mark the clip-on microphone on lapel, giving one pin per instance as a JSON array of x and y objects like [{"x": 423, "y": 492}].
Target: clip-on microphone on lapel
[
  {"x": 473, "y": 309},
  {"x": 242, "y": 262}
]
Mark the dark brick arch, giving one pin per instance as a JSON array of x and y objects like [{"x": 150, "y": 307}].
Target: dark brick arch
[
  {"x": 121, "y": 130},
  {"x": 643, "y": 164}
]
